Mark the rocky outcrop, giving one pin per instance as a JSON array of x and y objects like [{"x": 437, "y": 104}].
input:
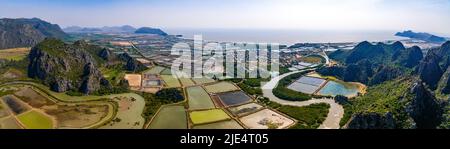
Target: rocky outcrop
[
  {"x": 371, "y": 121},
  {"x": 131, "y": 63},
  {"x": 431, "y": 68},
  {"x": 385, "y": 73},
  {"x": 26, "y": 32},
  {"x": 409, "y": 58},
  {"x": 65, "y": 67},
  {"x": 424, "y": 108}
]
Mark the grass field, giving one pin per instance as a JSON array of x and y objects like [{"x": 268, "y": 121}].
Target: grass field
[
  {"x": 170, "y": 117},
  {"x": 155, "y": 70},
  {"x": 129, "y": 113},
  {"x": 203, "y": 80},
  {"x": 171, "y": 81},
  {"x": 14, "y": 54},
  {"x": 220, "y": 87},
  {"x": 208, "y": 116},
  {"x": 35, "y": 120},
  {"x": 198, "y": 98}
]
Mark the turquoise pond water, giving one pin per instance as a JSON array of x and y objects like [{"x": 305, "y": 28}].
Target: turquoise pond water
[{"x": 334, "y": 88}]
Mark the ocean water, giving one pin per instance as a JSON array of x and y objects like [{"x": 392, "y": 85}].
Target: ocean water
[{"x": 287, "y": 37}]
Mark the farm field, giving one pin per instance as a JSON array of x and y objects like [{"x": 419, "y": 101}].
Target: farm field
[
  {"x": 134, "y": 80},
  {"x": 170, "y": 117},
  {"x": 171, "y": 81},
  {"x": 187, "y": 82},
  {"x": 14, "y": 54},
  {"x": 203, "y": 80},
  {"x": 234, "y": 98},
  {"x": 230, "y": 124},
  {"x": 245, "y": 109},
  {"x": 198, "y": 98},
  {"x": 129, "y": 113},
  {"x": 78, "y": 116},
  {"x": 220, "y": 87},
  {"x": 166, "y": 71},
  {"x": 34, "y": 99},
  {"x": 313, "y": 59},
  {"x": 14, "y": 104},
  {"x": 36, "y": 120},
  {"x": 266, "y": 119},
  {"x": 208, "y": 116},
  {"x": 155, "y": 70},
  {"x": 9, "y": 123}
]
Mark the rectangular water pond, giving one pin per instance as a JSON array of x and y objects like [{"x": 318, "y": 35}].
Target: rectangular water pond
[
  {"x": 198, "y": 98},
  {"x": 311, "y": 81},
  {"x": 208, "y": 116},
  {"x": 170, "y": 117},
  {"x": 245, "y": 109},
  {"x": 231, "y": 124},
  {"x": 155, "y": 70},
  {"x": 35, "y": 120},
  {"x": 234, "y": 98},
  {"x": 220, "y": 87},
  {"x": 333, "y": 88},
  {"x": 171, "y": 81},
  {"x": 304, "y": 88}
]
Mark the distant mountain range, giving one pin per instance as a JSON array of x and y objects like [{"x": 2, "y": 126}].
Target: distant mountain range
[
  {"x": 115, "y": 29},
  {"x": 26, "y": 32},
  {"x": 422, "y": 36}
]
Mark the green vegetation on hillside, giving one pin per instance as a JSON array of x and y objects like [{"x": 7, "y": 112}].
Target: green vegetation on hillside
[{"x": 386, "y": 97}]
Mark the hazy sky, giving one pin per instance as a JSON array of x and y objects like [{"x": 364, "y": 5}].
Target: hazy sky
[{"x": 421, "y": 15}]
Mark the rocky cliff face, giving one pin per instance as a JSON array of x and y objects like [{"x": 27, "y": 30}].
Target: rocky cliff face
[
  {"x": 131, "y": 64},
  {"x": 424, "y": 108},
  {"x": 371, "y": 121},
  {"x": 26, "y": 32},
  {"x": 65, "y": 67},
  {"x": 431, "y": 69}
]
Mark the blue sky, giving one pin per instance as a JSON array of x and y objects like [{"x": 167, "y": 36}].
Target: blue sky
[{"x": 422, "y": 15}]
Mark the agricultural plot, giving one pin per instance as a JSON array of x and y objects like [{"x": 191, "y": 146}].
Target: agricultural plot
[
  {"x": 129, "y": 113},
  {"x": 245, "y": 109},
  {"x": 234, "y": 98},
  {"x": 198, "y": 98},
  {"x": 171, "y": 81},
  {"x": 14, "y": 54},
  {"x": 9, "y": 123},
  {"x": 35, "y": 120},
  {"x": 187, "y": 82},
  {"x": 77, "y": 116},
  {"x": 170, "y": 117},
  {"x": 155, "y": 70},
  {"x": 231, "y": 124},
  {"x": 266, "y": 119},
  {"x": 208, "y": 116},
  {"x": 203, "y": 80},
  {"x": 16, "y": 106},
  {"x": 134, "y": 80},
  {"x": 33, "y": 98},
  {"x": 304, "y": 88},
  {"x": 166, "y": 71},
  {"x": 221, "y": 87}
]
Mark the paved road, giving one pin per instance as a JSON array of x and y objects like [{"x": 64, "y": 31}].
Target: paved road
[{"x": 336, "y": 111}]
